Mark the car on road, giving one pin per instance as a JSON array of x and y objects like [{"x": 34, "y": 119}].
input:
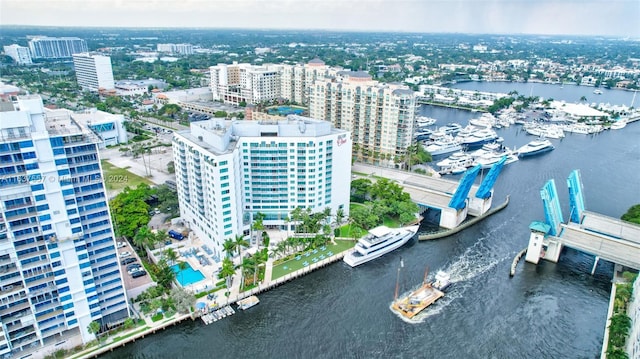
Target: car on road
[
  {"x": 125, "y": 254},
  {"x": 121, "y": 245},
  {"x": 127, "y": 260},
  {"x": 139, "y": 273}
]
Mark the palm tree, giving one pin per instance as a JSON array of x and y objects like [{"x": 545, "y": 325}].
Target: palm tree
[
  {"x": 229, "y": 246},
  {"x": 240, "y": 242},
  {"x": 161, "y": 236},
  {"x": 286, "y": 220},
  {"x": 143, "y": 238},
  {"x": 248, "y": 267},
  {"x": 259, "y": 259},
  {"x": 171, "y": 255},
  {"x": 281, "y": 248},
  {"x": 327, "y": 214},
  {"x": 258, "y": 225},
  {"x": 94, "y": 328},
  {"x": 266, "y": 239},
  {"x": 339, "y": 217},
  {"x": 227, "y": 271},
  {"x": 182, "y": 266}
]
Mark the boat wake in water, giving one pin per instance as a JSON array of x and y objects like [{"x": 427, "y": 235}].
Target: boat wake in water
[{"x": 476, "y": 260}]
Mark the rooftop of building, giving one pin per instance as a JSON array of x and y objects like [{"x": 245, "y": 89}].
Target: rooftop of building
[
  {"x": 291, "y": 127},
  {"x": 127, "y": 83},
  {"x": 316, "y": 61},
  {"x": 93, "y": 116},
  {"x": 355, "y": 74},
  {"x": 578, "y": 110}
]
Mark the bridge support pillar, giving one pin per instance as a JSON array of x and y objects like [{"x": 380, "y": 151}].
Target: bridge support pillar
[
  {"x": 534, "y": 250},
  {"x": 554, "y": 247},
  {"x": 450, "y": 217},
  {"x": 479, "y": 206},
  {"x": 595, "y": 264}
]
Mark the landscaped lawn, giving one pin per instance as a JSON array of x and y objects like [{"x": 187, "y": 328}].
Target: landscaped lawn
[
  {"x": 116, "y": 178},
  {"x": 294, "y": 264},
  {"x": 351, "y": 231}
]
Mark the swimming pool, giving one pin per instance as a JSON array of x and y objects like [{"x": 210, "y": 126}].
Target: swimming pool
[
  {"x": 187, "y": 276},
  {"x": 285, "y": 110}
]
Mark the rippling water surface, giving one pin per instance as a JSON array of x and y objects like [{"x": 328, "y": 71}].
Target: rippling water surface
[{"x": 546, "y": 311}]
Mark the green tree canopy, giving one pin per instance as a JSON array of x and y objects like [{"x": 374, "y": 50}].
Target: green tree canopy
[
  {"x": 130, "y": 211},
  {"x": 632, "y": 215}
]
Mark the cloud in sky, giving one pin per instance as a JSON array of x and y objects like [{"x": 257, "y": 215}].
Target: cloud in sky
[{"x": 579, "y": 17}]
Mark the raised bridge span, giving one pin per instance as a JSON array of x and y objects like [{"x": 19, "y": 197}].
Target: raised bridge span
[
  {"x": 604, "y": 237},
  {"x": 452, "y": 200}
]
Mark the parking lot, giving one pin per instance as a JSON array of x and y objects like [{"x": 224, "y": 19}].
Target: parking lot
[{"x": 133, "y": 286}]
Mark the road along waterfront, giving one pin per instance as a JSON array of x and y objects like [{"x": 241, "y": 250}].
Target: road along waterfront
[{"x": 549, "y": 310}]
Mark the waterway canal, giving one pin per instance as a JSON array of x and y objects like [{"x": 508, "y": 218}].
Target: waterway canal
[{"x": 549, "y": 310}]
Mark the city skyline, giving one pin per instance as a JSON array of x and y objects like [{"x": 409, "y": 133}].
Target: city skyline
[{"x": 547, "y": 17}]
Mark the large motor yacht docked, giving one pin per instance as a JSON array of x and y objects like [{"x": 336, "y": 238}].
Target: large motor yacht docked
[
  {"x": 442, "y": 146},
  {"x": 379, "y": 241},
  {"x": 478, "y": 138},
  {"x": 458, "y": 160},
  {"x": 535, "y": 147}
]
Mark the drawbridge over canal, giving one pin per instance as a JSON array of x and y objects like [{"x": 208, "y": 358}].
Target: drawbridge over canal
[
  {"x": 453, "y": 200},
  {"x": 604, "y": 237}
]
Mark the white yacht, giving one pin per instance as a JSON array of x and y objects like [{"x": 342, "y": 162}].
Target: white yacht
[
  {"x": 489, "y": 159},
  {"x": 442, "y": 146},
  {"x": 379, "y": 241},
  {"x": 620, "y": 124},
  {"x": 423, "y": 121},
  {"x": 478, "y": 138},
  {"x": 535, "y": 147},
  {"x": 456, "y": 161},
  {"x": 486, "y": 120},
  {"x": 582, "y": 128},
  {"x": 544, "y": 130}
]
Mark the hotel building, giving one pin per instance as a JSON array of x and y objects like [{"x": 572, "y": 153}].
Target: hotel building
[
  {"x": 43, "y": 47},
  {"x": 227, "y": 171},
  {"x": 93, "y": 72},
  {"x": 58, "y": 265},
  {"x": 380, "y": 117},
  {"x": 19, "y": 54}
]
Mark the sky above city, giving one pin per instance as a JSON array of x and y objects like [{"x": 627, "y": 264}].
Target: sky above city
[{"x": 571, "y": 17}]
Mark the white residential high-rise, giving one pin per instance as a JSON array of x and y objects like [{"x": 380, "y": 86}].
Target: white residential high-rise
[
  {"x": 19, "y": 54},
  {"x": 379, "y": 116},
  {"x": 237, "y": 83},
  {"x": 94, "y": 72},
  {"x": 184, "y": 49},
  {"x": 58, "y": 264},
  {"x": 226, "y": 172},
  {"x": 295, "y": 80},
  {"x": 43, "y": 47},
  {"x": 248, "y": 83}
]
